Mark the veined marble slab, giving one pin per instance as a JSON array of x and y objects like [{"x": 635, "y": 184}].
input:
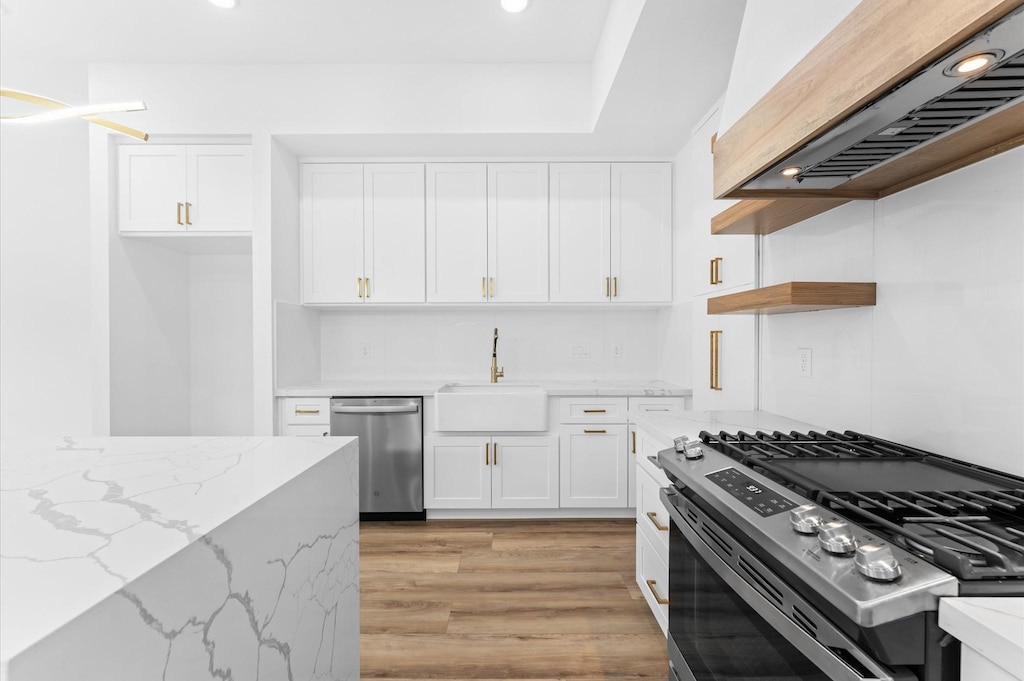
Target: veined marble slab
[
  {"x": 179, "y": 558},
  {"x": 427, "y": 387}
]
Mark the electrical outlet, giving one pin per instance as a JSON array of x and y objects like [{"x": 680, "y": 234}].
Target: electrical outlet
[
  {"x": 579, "y": 351},
  {"x": 616, "y": 350},
  {"x": 804, "y": 362},
  {"x": 364, "y": 350}
]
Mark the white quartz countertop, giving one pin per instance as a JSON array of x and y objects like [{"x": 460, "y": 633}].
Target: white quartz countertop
[
  {"x": 427, "y": 387},
  {"x": 994, "y": 627},
  {"x": 81, "y": 518},
  {"x": 667, "y": 427}
]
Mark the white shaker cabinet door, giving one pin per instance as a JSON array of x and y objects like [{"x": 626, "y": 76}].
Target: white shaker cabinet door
[
  {"x": 332, "y": 232},
  {"x": 517, "y": 232},
  {"x": 593, "y": 466},
  {"x": 219, "y": 193},
  {"x": 724, "y": 360},
  {"x": 456, "y": 232},
  {"x": 580, "y": 236},
  {"x": 524, "y": 472},
  {"x": 151, "y": 183},
  {"x": 394, "y": 255},
  {"x": 641, "y": 232},
  {"x": 456, "y": 472}
]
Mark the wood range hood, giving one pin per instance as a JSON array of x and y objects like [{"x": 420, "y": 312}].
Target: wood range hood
[{"x": 875, "y": 108}]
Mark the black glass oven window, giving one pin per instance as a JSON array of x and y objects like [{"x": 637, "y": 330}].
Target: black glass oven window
[{"x": 720, "y": 636}]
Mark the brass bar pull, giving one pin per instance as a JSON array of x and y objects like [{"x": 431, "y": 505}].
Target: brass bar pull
[
  {"x": 594, "y": 432},
  {"x": 495, "y": 453},
  {"x": 307, "y": 411},
  {"x": 366, "y": 286},
  {"x": 188, "y": 213},
  {"x": 715, "y": 265},
  {"x": 359, "y": 287},
  {"x": 634, "y": 441},
  {"x": 483, "y": 287},
  {"x": 487, "y": 454},
  {"x": 716, "y": 339},
  {"x": 491, "y": 289},
  {"x": 654, "y": 519},
  {"x": 607, "y": 281},
  {"x": 179, "y": 213},
  {"x": 615, "y": 290},
  {"x": 654, "y": 592},
  {"x": 594, "y": 411}
]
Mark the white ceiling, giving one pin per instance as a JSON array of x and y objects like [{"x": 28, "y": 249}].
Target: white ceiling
[{"x": 300, "y": 31}]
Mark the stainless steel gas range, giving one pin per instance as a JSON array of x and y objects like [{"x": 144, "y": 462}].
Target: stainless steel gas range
[{"x": 824, "y": 555}]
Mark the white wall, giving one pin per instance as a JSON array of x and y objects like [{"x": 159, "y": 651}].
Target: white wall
[
  {"x": 45, "y": 318},
  {"x": 939, "y": 362},
  {"x": 456, "y": 344}
]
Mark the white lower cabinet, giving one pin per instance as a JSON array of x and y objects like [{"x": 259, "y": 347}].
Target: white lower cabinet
[
  {"x": 652, "y": 578},
  {"x": 652, "y": 527},
  {"x": 305, "y": 416},
  {"x": 490, "y": 472},
  {"x": 594, "y": 466}
]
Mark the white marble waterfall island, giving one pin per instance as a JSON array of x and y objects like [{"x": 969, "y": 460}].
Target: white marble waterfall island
[{"x": 179, "y": 559}]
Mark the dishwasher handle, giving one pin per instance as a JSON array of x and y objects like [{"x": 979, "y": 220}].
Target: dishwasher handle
[{"x": 399, "y": 409}]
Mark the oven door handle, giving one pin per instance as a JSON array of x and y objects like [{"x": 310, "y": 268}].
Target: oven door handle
[{"x": 821, "y": 655}]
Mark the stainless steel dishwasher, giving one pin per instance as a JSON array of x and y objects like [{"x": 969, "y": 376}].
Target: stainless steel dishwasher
[{"x": 390, "y": 432}]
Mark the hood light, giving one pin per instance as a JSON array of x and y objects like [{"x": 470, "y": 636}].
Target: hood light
[
  {"x": 224, "y": 4},
  {"x": 791, "y": 171},
  {"x": 514, "y": 6},
  {"x": 972, "y": 65}
]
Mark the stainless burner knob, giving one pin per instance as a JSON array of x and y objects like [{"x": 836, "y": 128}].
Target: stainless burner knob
[
  {"x": 690, "y": 450},
  {"x": 805, "y": 519},
  {"x": 837, "y": 537},
  {"x": 877, "y": 562}
]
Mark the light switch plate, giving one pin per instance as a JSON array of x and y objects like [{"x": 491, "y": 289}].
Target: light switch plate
[{"x": 579, "y": 351}]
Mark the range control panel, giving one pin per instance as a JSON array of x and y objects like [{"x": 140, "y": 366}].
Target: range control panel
[{"x": 743, "y": 488}]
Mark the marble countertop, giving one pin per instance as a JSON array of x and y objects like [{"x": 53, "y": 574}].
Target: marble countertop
[
  {"x": 994, "y": 627},
  {"x": 427, "y": 387},
  {"x": 81, "y": 518},
  {"x": 667, "y": 427}
]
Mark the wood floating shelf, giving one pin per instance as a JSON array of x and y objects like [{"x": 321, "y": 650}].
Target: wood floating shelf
[
  {"x": 795, "y": 296},
  {"x": 875, "y": 49},
  {"x": 764, "y": 216}
]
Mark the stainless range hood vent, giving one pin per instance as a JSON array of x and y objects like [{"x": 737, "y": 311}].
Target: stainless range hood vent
[{"x": 919, "y": 110}]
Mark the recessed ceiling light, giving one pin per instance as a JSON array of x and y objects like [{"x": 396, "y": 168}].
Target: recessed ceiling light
[
  {"x": 514, "y": 5},
  {"x": 225, "y": 4},
  {"x": 976, "y": 63},
  {"x": 790, "y": 171}
]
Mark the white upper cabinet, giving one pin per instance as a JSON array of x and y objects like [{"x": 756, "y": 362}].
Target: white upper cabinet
[
  {"x": 362, "y": 233},
  {"x": 641, "y": 232},
  {"x": 487, "y": 232},
  {"x": 580, "y": 245},
  {"x": 517, "y": 232},
  {"x": 456, "y": 232},
  {"x": 611, "y": 232},
  {"x": 185, "y": 188}
]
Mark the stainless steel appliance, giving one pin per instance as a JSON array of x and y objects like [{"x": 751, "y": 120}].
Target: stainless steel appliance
[
  {"x": 390, "y": 431},
  {"x": 824, "y": 555}
]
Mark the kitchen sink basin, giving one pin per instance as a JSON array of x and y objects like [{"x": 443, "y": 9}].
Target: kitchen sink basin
[{"x": 491, "y": 407}]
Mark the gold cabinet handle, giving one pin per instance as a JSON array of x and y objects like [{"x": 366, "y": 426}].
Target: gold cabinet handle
[
  {"x": 487, "y": 454},
  {"x": 179, "y": 213},
  {"x": 594, "y": 432},
  {"x": 483, "y": 287},
  {"x": 715, "y": 271},
  {"x": 490, "y": 290},
  {"x": 607, "y": 281},
  {"x": 366, "y": 287},
  {"x": 495, "y": 453},
  {"x": 188, "y": 213},
  {"x": 307, "y": 411},
  {"x": 654, "y": 519},
  {"x": 594, "y": 411},
  {"x": 658, "y": 599},
  {"x": 716, "y": 339},
  {"x": 634, "y": 441},
  {"x": 359, "y": 287},
  {"x": 615, "y": 287}
]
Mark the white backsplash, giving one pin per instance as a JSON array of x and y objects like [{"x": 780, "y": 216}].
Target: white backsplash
[
  {"x": 456, "y": 344},
  {"x": 939, "y": 361}
]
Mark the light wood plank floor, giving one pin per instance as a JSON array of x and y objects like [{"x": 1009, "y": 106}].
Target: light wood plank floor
[{"x": 540, "y": 600}]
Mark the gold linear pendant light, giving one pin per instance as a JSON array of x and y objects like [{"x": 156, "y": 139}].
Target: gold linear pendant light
[{"x": 62, "y": 111}]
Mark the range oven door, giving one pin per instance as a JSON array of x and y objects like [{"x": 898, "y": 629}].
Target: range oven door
[{"x": 724, "y": 627}]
